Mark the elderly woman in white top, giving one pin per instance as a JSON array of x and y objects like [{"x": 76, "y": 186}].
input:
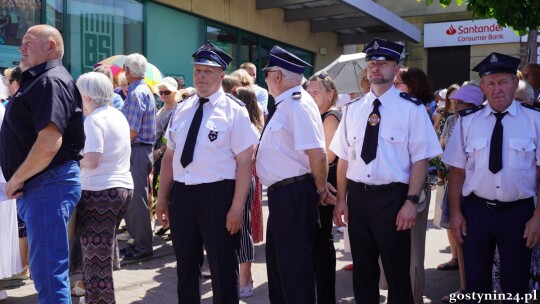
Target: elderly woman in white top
[{"x": 106, "y": 182}]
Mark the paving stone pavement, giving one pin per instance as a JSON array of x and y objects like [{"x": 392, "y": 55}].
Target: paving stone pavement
[{"x": 154, "y": 280}]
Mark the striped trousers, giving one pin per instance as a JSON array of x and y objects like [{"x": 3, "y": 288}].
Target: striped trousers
[{"x": 246, "y": 252}]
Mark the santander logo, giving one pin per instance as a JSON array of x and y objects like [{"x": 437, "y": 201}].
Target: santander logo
[{"x": 451, "y": 30}]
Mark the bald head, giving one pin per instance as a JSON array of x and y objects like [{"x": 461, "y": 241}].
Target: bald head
[
  {"x": 49, "y": 33},
  {"x": 40, "y": 44}
]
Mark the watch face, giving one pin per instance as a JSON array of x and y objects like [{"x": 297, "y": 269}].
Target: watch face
[{"x": 414, "y": 199}]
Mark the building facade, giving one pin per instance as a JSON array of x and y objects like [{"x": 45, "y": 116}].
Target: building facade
[
  {"x": 452, "y": 42},
  {"x": 168, "y": 31}
]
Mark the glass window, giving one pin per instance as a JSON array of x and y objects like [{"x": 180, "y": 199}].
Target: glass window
[
  {"x": 16, "y": 16},
  {"x": 54, "y": 13},
  {"x": 100, "y": 29},
  {"x": 227, "y": 41},
  {"x": 244, "y": 46},
  {"x": 248, "y": 48}
]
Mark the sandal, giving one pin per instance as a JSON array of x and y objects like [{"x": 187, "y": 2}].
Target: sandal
[
  {"x": 453, "y": 296},
  {"x": 452, "y": 264}
]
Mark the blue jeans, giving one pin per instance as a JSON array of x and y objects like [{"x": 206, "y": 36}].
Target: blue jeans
[{"x": 46, "y": 205}]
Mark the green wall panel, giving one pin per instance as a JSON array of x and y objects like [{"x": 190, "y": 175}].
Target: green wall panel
[{"x": 172, "y": 36}]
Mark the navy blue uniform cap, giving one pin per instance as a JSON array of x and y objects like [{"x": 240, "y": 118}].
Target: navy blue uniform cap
[
  {"x": 209, "y": 54},
  {"x": 496, "y": 63},
  {"x": 290, "y": 62},
  {"x": 381, "y": 49}
]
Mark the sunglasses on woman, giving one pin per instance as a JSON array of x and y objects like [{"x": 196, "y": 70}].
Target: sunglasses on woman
[{"x": 166, "y": 93}]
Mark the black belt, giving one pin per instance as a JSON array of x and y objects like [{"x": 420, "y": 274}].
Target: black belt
[
  {"x": 376, "y": 187},
  {"x": 140, "y": 144},
  {"x": 288, "y": 181},
  {"x": 496, "y": 204}
]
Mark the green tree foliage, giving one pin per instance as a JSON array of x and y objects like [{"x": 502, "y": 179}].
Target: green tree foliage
[{"x": 521, "y": 15}]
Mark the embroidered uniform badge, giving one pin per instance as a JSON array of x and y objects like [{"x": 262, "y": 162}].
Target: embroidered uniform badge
[
  {"x": 212, "y": 135},
  {"x": 374, "y": 119}
]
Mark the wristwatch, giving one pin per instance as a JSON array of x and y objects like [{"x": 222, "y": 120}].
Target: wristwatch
[{"x": 414, "y": 199}]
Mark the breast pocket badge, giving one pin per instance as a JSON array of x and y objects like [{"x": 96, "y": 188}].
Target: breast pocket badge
[
  {"x": 213, "y": 135},
  {"x": 374, "y": 119}
]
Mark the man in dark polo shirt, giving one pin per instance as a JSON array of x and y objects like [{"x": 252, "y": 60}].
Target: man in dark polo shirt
[{"x": 40, "y": 139}]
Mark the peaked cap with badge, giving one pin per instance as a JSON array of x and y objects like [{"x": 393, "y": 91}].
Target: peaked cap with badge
[
  {"x": 381, "y": 49},
  {"x": 211, "y": 55},
  {"x": 496, "y": 63},
  {"x": 287, "y": 60}
]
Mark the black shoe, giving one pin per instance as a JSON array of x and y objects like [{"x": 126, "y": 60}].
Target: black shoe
[
  {"x": 162, "y": 231},
  {"x": 127, "y": 249},
  {"x": 136, "y": 255}
]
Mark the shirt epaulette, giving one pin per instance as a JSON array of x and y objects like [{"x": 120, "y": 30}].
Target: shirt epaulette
[
  {"x": 528, "y": 106},
  {"x": 296, "y": 95},
  {"x": 466, "y": 112},
  {"x": 238, "y": 101},
  {"x": 410, "y": 98}
]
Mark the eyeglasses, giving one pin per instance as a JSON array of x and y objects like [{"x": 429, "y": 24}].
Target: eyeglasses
[
  {"x": 166, "y": 93},
  {"x": 266, "y": 72}
]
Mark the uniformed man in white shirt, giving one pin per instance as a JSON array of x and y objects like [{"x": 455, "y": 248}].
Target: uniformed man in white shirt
[
  {"x": 291, "y": 162},
  {"x": 494, "y": 158},
  {"x": 205, "y": 175},
  {"x": 384, "y": 142}
]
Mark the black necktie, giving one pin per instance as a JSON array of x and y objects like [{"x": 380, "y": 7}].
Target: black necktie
[
  {"x": 270, "y": 114},
  {"x": 371, "y": 136},
  {"x": 191, "y": 139},
  {"x": 495, "y": 149}
]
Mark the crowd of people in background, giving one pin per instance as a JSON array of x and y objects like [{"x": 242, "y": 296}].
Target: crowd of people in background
[{"x": 100, "y": 150}]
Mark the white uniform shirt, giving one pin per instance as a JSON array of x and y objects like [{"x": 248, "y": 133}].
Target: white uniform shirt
[
  {"x": 295, "y": 127},
  {"x": 212, "y": 160},
  {"x": 107, "y": 132},
  {"x": 517, "y": 178},
  {"x": 406, "y": 135}
]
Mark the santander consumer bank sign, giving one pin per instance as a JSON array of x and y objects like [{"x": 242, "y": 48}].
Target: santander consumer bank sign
[{"x": 458, "y": 33}]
